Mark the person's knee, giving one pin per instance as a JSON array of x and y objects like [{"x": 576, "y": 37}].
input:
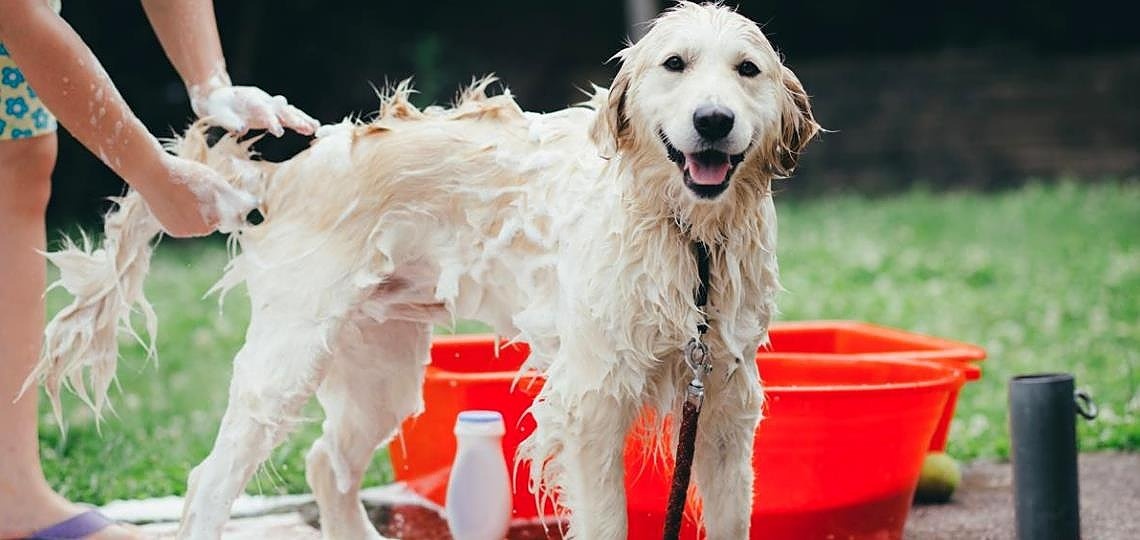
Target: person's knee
[{"x": 25, "y": 174}]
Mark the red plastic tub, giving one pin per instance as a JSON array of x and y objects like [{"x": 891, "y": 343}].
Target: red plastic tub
[
  {"x": 859, "y": 340},
  {"x": 848, "y": 421}
]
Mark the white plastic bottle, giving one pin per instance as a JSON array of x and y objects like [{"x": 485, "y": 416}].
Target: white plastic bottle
[{"x": 478, "y": 505}]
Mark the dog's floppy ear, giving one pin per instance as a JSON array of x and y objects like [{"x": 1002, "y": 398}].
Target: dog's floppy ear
[
  {"x": 611, "y": 127},
  {"x": 797, "y": 127}
]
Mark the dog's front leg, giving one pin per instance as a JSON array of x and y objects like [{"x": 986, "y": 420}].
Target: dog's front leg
[
  {"x": 580, "y": 440},
  {"x": 723, "y": 458}
]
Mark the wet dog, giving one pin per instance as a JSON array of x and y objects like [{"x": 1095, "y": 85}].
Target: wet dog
[{"x": 571, "y": 230}]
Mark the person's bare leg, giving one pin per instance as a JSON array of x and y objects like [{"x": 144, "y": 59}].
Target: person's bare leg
[{"x": 27, "y": 502}]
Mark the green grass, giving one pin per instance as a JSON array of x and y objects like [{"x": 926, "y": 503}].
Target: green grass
[{"x": 1046, "y": 278}]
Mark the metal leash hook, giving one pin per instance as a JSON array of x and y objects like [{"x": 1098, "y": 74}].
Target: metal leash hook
[{"x": 699, "y": 361}]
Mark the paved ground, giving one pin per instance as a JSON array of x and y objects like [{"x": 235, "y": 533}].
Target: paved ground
[{"x": 982, "y": 509}]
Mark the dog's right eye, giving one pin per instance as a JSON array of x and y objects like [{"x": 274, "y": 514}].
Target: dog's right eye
[{"x": 674, "y": 63}]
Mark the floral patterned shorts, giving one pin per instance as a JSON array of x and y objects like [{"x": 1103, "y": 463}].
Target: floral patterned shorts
[{"x": 21, "y": 113}]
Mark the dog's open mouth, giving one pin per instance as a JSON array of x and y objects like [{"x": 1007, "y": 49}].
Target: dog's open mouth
[{"x": 706, "y": 172}]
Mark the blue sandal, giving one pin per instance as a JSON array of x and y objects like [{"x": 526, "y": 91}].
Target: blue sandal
[{"x": 74, "y": 528}]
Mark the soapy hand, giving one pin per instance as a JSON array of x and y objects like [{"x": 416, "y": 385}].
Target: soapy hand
[
  {"x": 241, "y": 108},
  {"x": 190, "y": 199}
]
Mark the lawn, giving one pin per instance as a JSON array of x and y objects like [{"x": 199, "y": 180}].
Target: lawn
[{"x": 1046, "y": 278}]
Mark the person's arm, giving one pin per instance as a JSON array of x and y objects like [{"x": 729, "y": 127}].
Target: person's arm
[
  {"x": 185, "y": 196},
  {"x": 189, "y": 35}
]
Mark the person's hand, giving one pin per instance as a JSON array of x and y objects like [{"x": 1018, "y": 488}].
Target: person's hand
[
  {"x": 190, "y": 199},
  {"x": 241, "y": 108}
]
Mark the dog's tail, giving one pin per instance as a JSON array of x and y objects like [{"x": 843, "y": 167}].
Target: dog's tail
[{"x": 106, "y": 281}]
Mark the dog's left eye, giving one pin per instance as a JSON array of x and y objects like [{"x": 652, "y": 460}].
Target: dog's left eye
[
  {"x": 674, "y": 63},
  {"x": 747, "y": 69}
]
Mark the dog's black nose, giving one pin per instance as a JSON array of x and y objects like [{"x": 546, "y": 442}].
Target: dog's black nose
[{"x": 713, "y": 122}]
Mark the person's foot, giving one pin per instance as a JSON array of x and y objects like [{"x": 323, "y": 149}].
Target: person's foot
[{"x": 30, "y": 513}]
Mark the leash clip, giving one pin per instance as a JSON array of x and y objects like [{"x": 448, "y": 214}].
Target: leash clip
[{"x": 699, "y": 360}]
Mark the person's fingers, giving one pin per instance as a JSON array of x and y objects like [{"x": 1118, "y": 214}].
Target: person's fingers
[
  {"x": 240, "y": 108},
  {"x": 296, "y": 120},
  {"x": 262, "y": 114},
  {"x": 226, "y": 118},
  {"x": 195, "y": 200},
  {"x": 231, "y": 205},
  {"x": 274, "y": 126}
]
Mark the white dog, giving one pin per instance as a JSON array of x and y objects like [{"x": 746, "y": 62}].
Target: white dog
[{"x": 571, "y": 230}]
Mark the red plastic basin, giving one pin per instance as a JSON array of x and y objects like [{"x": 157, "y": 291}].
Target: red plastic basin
[
  {"x": 859, "y": 340},
  {"x": 849, "y": 417}
]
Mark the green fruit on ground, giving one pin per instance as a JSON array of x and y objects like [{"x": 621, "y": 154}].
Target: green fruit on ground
[{"x": 940, "y": 476}]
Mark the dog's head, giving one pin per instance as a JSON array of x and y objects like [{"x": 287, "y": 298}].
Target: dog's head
[{"x": 705, "y": 90}]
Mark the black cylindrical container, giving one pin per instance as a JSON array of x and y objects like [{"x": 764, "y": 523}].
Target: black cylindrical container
[{"x": 1043, "y": 440}]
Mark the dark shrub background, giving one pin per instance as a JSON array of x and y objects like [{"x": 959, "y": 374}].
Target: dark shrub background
[{"x": 969, "y": 94}]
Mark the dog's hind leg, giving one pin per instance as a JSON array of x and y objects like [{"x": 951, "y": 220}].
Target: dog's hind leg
[
  {"x": 723, "y": 455},
  {"x": 274, "y": 374},
  {"x": 373, "y": 382}
]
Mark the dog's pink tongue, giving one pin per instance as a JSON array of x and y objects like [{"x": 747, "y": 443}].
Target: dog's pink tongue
[{"x": 706, "y": 174}]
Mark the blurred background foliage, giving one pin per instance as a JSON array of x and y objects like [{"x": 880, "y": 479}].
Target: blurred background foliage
[{"x": 974, "y": 94}]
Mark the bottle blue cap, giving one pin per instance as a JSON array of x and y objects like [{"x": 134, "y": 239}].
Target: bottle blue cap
[
  {"x": 480, "y": 422},
  {"x": 478, "y": 416}
]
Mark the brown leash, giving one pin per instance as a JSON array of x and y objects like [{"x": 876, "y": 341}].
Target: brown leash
[{"x": 700, "y": 363}]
